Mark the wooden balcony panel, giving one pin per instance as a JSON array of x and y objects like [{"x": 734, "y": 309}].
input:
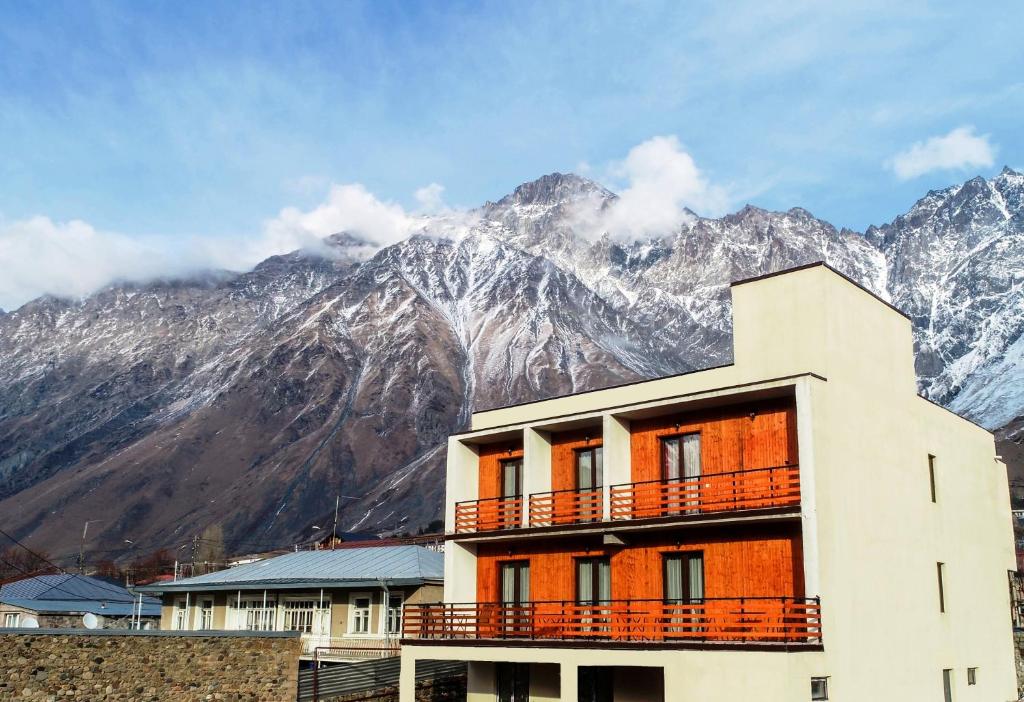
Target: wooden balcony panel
[
  {"x": 488, "y": 515},
  {"x": 566, "y": 507},
  {"x": 716, "y": 492},
  {"x": 740, "y": 620}
]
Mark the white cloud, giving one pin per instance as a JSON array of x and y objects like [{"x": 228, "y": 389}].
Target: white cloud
[
  {"x": 958, "y": 150},
  {"x": 73, "y": 259},
  {"x": 661, "y": 181},
  {"x": 430, "y": 198}
]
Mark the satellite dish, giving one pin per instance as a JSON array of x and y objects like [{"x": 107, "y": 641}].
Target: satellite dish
[
  {"x": 30, "y": 623},
  {"x": 91, "y": 621}
]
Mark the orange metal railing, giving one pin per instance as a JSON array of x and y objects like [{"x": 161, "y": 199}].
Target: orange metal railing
[
  {"x": 488, "y": 514},
  {"x": 566, "y": 507},
  {"x": 762, "y": 619},
  {"x": 716, "y": 492}
]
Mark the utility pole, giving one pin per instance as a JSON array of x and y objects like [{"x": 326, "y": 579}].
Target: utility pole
[
  {"x": 81, "y": 548},
  {"x": 195, "y": 549},
  {"x": 334, "y": 531}
]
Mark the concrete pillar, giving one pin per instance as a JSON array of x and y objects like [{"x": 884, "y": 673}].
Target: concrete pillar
[
  {"x": 459, "y": 572},
  {"x": 480, "y": 682},
  {"x": 407, "y": 677},
  {"x": 808, "y": 486},
  {"x": 617, "y": 456},
  {"x": 536, "y": 467},
  {"x": 569, "y": 682},
  {"x": 462, "y": 481}
]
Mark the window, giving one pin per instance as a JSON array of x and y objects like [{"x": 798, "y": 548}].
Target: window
[
  {"x": 819, "y": 688},
  {"x": 947, "y": 685},
  {"x": 680, "y": 462},
  {"x": 515, "y": 594},
  {"x": 972, "y": 676},
  {"x": 255, "y": 614},
  {"x": 940, "y": 569},
  {"x": 594, "y": 591},
  {"x": 394, "y": 614},
  {"x": 589, "y": 479},
  {"x": 683, "y": 587},
  {"x": 180, "y": 620},
  {"x": 931, "y": 474},
  {"x": 513, "y": 682},
  {"x": 299, "y": 614},
  {"x": 359, "y": 619},
  {"x": 12, "y": 620},
  {"x": 206, "y": 614},
  {"x": 512, "y": 477}
]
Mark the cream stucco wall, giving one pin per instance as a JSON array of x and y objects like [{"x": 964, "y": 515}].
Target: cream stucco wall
[{"x": 871, "y": 534}]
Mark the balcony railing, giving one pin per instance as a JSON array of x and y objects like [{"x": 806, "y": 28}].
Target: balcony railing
[
  {"x": 488, "y": 514},
  {"x": 781, "y": 620},
  {"x": 566, "y": 507},
  {"x": 716, "y": 492},
  {"x": 328, "y": 648}
]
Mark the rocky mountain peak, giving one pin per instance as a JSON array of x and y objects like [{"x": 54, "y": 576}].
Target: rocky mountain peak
[{"x": 555, "y": 189}]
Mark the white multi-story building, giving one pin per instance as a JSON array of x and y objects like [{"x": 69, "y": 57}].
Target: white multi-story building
[{"x": 797, "y": 525}]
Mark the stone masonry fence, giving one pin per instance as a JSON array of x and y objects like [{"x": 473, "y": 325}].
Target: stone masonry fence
[{"x": 55, "y": 665}]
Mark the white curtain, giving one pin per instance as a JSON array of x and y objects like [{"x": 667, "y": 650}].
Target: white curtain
[
  {"x": 696, "y": 576},
  {"x": 670, "y": 458},
  {"x": 691, "y": 456}
]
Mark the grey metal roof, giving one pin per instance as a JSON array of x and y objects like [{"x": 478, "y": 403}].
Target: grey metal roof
[
  {"x": 70, "y": 593},
  {"x": 396, "y": 565}
]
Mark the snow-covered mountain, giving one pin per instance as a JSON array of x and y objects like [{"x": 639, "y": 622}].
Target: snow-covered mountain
[{"x": 253, "y": 399}]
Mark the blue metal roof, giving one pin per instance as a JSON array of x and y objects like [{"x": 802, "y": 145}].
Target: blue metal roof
[
  {"x": 69, "y": 593},
  {"x": 395, "y": 565}
]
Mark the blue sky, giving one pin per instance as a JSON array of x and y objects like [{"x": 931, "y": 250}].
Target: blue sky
[{"x": 202, "y": 121}]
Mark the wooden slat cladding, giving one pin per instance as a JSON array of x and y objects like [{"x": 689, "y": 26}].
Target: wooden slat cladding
[
  {"x": 740, "y": 437},
  {"x": 563, "y": 455},
  {"x": 766, "y": 562},
  {"x": 491, "y": 456}
]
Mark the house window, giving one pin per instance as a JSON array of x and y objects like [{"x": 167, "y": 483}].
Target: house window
[
  {"x": 972, "y": 676},
  {"x": 680, "y": 462},
  {"x": 931, "y": 475},
  {"x": 819, "y": 688},
  {"x": 359, "y": 619},
  {"x": 299, "y": 614},
  {"x": 947, "y": 685},
  {"x": 940, "y": 569},
  {"x": 394, "y": 614},
  {"x": 206, "y": 614},
  {"x": 180, "y": 620},
  {"x": 12, "y": 620},
  {"x": 255, "y": 614}
]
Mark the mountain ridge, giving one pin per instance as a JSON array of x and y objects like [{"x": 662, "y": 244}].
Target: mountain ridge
[{"x": 252, "y": 400}]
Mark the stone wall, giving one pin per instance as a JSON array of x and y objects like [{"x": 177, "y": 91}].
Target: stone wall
[
  {"x": 146, "y": 666},
  {"x": 1018, "y": 656}
]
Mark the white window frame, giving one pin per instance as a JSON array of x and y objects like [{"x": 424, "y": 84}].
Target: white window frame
[
  {"x": 241, "y": 608},
  {"x": 9, "y": 616},
  {"x": 201, "y": 613},
  {"x": 179, "y": 614},
  {"x": 320, "y": 617},
  {"x": 353, "y": 596},
  {"x": 386, "y": 613}
]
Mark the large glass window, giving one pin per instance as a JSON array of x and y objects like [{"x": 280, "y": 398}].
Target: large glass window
[
  {"x": 684, "y": 591},
  {"x": 12, "y": 620},
  {"x": 299, "y": 615},
  {"x": 180, "y": 621},
  {"x": 680, "y": 457}
]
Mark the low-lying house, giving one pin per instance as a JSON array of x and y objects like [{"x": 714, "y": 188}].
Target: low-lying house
[
  {"x": 68, "y": 601},
  {"x": 347, "y": 602}
]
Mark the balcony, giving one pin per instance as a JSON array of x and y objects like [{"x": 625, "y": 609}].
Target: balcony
[
  {"x": 712, "y": 493},
  {"x": 716, "y": 492},
  {"x": 776, "y": 620},
  {"x": 566, "y": 507},
  {"x": 489, "y": 514}
]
